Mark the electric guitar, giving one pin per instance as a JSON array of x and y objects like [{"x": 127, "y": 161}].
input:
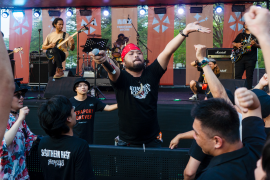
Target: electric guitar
[
  {"x": 237, "y": 54},
  {"x": 16, "y": 50},
  {"x": 60, "y": 42}
]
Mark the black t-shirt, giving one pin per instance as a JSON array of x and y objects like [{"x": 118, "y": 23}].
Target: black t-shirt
[
  {"x": 249, "y": 56},
  {"x": 264, "y": 99},
  {"x": 239, "y": 164},
  {"x": 85, "y": 115},
  {"x": 66, "y": 157},
  {"x": 138, "y": 121},
  {"x": 201, "y": 74}
]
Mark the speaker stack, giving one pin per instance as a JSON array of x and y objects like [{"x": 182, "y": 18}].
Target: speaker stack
[
  {"x": 222, "y": 56},
  {"x": 34, "y": 69}
]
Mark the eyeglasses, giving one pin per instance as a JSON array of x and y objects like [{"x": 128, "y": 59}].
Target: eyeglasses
[{"x": 19, "y": 95}]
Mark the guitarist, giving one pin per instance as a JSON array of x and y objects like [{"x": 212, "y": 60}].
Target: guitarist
[
  {"x": 59, "y": 55},
  {"x": 248, "y": 60}
]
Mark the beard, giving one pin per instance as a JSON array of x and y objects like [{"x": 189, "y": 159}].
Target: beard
[{"x": 135, "y": 67}]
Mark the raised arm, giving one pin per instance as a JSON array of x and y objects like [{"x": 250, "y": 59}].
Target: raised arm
[
  {"x": 263, "y": 82},
  {"x": 165, "y": 55},
  {"x": 257, "y": 20},
  {"x": 214, "y": 84},
  {"x": 111, "y": 107},
  {"x": 6, "y": 87}
]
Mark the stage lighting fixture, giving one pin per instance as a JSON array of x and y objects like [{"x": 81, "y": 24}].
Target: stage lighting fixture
[
  {"x": 37, "y": 13},
  {"x": 160, "y": 10},
  {"x": 69, "y": 12},
  {"x": 238, "y": 8},
  {"x": 106, "y": 12},
  {"x": 86, "y": 12},
  {"x": 259, "y": 5},
  {"x": 195, "y": 9},
  {"x": 142, "y": 11},
  {"x": 5, "y": 14},
  {"x": 181, "y": 11},
  {"x": 54, "y": 13},
  {"x": 18, "y": 14},
  {"x": 219, "y": 9}
]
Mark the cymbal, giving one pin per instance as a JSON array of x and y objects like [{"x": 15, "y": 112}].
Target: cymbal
[{"x": 94, "y": 35}]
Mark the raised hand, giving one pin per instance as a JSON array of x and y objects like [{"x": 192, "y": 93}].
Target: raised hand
[
  {"x": 244, "y": 99},
  {"x": 100, "y": 58},
  {"x": 23, "y": 113},
  {"x": 195, "y": 27},
  {"x": 257, "y": 20},
  {"x": 264, "y": 80},
  {"x": 200, "y": 51}
]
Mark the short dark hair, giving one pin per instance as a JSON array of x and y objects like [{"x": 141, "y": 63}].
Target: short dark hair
[
  {"x": 266, "y": 158},
  {"x": 53, "y": 115},
  {"x": 219, "y": 117},
  {"x": 55, "y": 21},
  {"x": 120, "y": 35}
]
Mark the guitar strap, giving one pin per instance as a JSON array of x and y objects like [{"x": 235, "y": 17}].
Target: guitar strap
[{"x": 64, "y": 35}]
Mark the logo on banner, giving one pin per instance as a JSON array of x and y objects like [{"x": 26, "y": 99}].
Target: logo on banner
[
  {"x": 18, "y": 25},
  {"x": 123, "y": 22},
  {"x": 238, "y": 18},
  {"x": 92, "y": 24},
  {"x": 197, "y": 17},
  {"x": 160, "y": 22}
]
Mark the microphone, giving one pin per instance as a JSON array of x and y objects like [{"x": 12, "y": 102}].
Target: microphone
[{"x": 106, "y": 64}]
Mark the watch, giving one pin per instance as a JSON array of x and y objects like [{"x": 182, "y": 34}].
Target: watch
[
  {"x": 181, "y": 32},
  {"x": 204, "y": 62}
]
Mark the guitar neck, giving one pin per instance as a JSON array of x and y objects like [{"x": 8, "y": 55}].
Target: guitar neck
[
  {"x": 11, "y": 53},
  {"x": 66, "y": 40}
]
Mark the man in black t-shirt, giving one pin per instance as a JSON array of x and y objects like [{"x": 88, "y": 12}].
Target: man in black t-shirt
[
  {"x": 85, "y": 108},
  {"x": 62, "y": 155},
  {"x": 248, "y": 60},
  {"x": 136, "y": 90}
]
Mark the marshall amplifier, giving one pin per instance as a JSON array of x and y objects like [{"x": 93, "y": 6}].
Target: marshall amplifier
[{"x": 222, "y": 56}]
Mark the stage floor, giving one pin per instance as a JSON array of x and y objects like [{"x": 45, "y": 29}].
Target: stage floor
[{"x": 165, "y": 96}]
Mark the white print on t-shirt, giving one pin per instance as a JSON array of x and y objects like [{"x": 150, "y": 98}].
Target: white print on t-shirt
[
  {"x": 56, "y": 163},
  {"x": 135, "y": 89},
  {"x": 91, "y": 105},
  {"x": 55, "y": 154}
]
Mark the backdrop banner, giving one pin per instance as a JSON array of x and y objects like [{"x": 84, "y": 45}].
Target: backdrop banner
[
  {"x": 160, "y": 33},
  {"x": 20, "y": 36},
  {"x": 233, "y": 24},
  {"x": 122, "y": 25},
  {"x": 94, "y": 31},
  {"x": 206, "y": 19},
  {"x": 48, "y": 27}
]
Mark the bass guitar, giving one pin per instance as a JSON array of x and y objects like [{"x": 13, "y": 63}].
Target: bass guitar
[
  {"x": 237, "y": 54},
  {"x": 60, "y": 42}
]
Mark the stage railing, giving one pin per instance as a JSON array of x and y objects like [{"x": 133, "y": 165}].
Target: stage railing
[{"x": 125, "y": 163}]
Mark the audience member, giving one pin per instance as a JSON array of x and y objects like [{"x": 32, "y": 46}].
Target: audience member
[
  {"x": 17, "y": 141},
  {"x": 62, "y": 155},
  {"x": 85, "y": 108}
]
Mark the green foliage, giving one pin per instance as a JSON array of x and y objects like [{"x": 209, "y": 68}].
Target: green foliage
[
  {"x": 37, "y": 24},
  {"x": 106, "y": 27},
  {"x": 143, "y": 31},
  {"x": 218, "y": 23},
  {"x": 179, "y": 55}
]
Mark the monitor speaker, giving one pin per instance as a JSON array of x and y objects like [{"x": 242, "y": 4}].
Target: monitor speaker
[{"x": 34, "y": 72}]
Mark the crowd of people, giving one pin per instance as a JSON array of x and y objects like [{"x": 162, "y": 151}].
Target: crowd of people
[{"x": 229, "y": 131}]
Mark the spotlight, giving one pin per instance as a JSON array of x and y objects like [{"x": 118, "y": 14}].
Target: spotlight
[
  {"x": 219, "y": 9},
  {"x": 181, "y": 11},
  {"x": 5, "y": 14},
  {"x": 69, "y": 12},
  {"x": 36, "y": 13},
  {"x": 106, "y": 12},
  {"x": 142, "y": 11},
  {"x": 18, "y": 14}
]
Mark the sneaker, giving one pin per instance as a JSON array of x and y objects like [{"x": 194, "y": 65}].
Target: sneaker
[{"x": 194, "y": 97}]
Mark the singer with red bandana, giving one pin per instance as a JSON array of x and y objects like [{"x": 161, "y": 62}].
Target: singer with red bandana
[{"x": 136, "y": 90}]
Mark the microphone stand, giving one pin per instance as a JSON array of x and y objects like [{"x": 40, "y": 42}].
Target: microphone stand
[
  {"x": 39, "y": 51},
  {"x": 138, "y": 38}
]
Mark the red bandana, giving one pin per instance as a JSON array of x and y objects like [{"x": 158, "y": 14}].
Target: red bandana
[{"x": 128, "y": 48}]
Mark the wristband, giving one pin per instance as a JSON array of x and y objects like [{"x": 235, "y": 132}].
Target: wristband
[{"x": 181, "y": 32}]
